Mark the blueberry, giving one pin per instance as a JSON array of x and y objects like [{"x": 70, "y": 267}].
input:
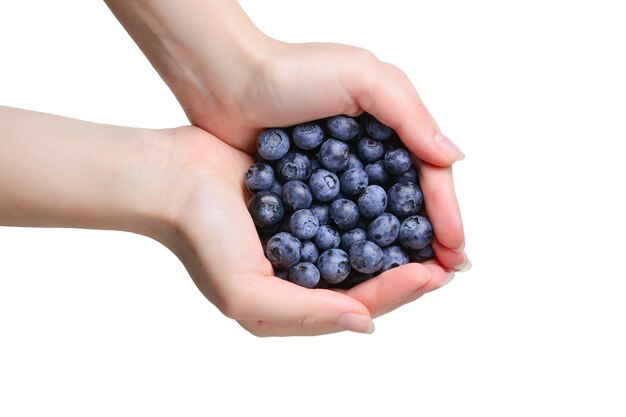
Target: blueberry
[
  {"x": 277, "y": 187},
  {"x": 397, "y": 161},
  {"x": 294, "y": 166},
  {"x": 296, "y": 195},
  {"x": 304, "y": 274},
  {"x": 394, "y": 256},
  {"x": 408, "y": 176},
  {"x": 283, "y": 250},
  {"x": 422, "y": 255},
  {"x": 309, "y": 252},
  {"x": 384, "y": 229},
  {"x": 282, "y": 274},
  {"x": 353, "y": 162},
  {"x": 259, "y": 177},
  {"x": 354, "y": 181},
  {"x": 345, "y": 213},
  {"x": 370, "y": 150},
  {"x": 350, "y": 237},
  {"x": 416, "y": 232},
  {"x": 322, "y": 212},
  {"x": 315, "y": 164},
  {"x": 307, "y": 136},
  {"x": 342, "y": 127},
  {"x": 377, "y": 173},
  {"x": 366, "y": 257},
  {"x": 334, "y": 155},
  {"x": 324, "y": 185},
  {"x": 404, "y": 199},
  {"x": 272, "y": 144},
  {"x": 354, "y": 279},
  {"x": 334, "y": 265},
  {"x": 372, "y": 201},
  {"x": 266, "y": 209},
  {"x": 327, "y": 238},
  {"x": 377, "y": 130},
  {"x": 303, "y": 224}
]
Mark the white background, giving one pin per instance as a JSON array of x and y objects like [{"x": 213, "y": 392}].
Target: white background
[{"x": 106, "y": 323}]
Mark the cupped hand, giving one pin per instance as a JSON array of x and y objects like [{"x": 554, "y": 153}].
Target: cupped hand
[{"x": 210, "y": 230}]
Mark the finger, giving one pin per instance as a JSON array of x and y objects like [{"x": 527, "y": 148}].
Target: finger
[
  {"x": 273, "y": 300},
  {"x": 449, "y": 258},
  {"x": 379, "y": 91},
  {"x": 442, "y": 206},
  {"x": 265, "y": 329},
  {"x": 390, "y": 287}
]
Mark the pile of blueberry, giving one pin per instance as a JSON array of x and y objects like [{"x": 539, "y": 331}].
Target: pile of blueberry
[{"x": 337, "y": 201}]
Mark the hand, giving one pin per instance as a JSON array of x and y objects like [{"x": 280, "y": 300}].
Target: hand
[{"x": 208, "y": 227}]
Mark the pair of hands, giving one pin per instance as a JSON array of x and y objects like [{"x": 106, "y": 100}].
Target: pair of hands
[{"x": 213, "y": 234}]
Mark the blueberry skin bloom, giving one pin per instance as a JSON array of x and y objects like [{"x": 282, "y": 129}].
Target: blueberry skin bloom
[
  {"x": 394, "y": 256},
  {"x": 404, "y": 199},
  {"x": 384, "y": 229},
  {"x": 309, "y": 252},
  {"x": 307, "y": 136},
  {"x": 259, "y": 177},
  {"x": 377, "y": 130},
  {"x": 377, "y": 173},
  {"x": 354, "y": 181},
  {"x": 422, "y": 255},
  {"x": 345, "y": 213},
  {"x": 373, "y": 201},
  {"x": 303, "y": 224},
  {"x": 294, "y": 166},
  {"x": 397, "y": 161},
  {"x": 304, "y": 274},
  {"x": 366, "y": 257},
  {"x": 408, "y": 176},
  {"x": 416, "y": 232},
  {"x": 277, "y": 188},
  {"x": 297, "y": 195},
  {"x": 324, "y": 185},
  {"x": 266, "y": 209},
  {"x": 369, "y": 150},
  {"x": 354, "y": 162},
  {"x": 272, "y": 144},
  {"x": 327, "y": 238},
  {"x": 322, "y": 212},
  {"x": 334, "y": 155},
  {"x": 334, "y": 265},
  {"x": 342, "y": 127},
  {"x": 283, "y": 250},
  {"x": 350, "y": 237}
]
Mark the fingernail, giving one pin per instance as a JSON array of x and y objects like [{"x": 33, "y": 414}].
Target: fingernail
[
  {"x": 354, "y": 322},
  {"x": 465, "y": 266},
  {"x": 448, "y": 147}
]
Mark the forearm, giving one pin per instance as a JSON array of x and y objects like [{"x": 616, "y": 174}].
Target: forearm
[
  {"x": 60, "y": 172},
  {"x": 198, "y": 46}
]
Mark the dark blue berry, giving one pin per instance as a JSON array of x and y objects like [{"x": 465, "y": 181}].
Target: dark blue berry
[
  {"x": 303, "y": 224},
  {"x": 277, "y": 187},
  {"x": 322, "y": 212},
  {"x": 373, "y": 201},
  {"x": 377, "y": 130},
  {"x": 296, "y": 195},
  {"x": 342, "y": 127},
  {"x": 334, "y": 155},
  {"x": 384, "y": 229},
  {"x": 327, "y": 238},
  {"x": 304, "y": 274},
  {"x": 282, "y": 274},
  {"x": 366, "y": 257},
  {"x": 354, "y": 162},
  {"x": 416, "y": 232},
  {"x": 422, "y": 255},
  {"x": 377, "y": 173},
  {"x": 259, "y": 177},
  {"x": 404, "y": 199},
  {"x": 293, "y": 166},
  {"x": 309, "y": 252},
  {"x": 355, "y": 278},
  {"x": 409, "y": 176},
  {"x": 307, "y": 136},
  {"x": 334, "y": 265},
  {"x": 266, "y": 209},
  {"x": 397, "y": 161},
  {"x": 345, "y": 213},
  {"x": 350, "y": 237},
  {"x": 369, "y": 150},
  {"x": 272, "y": 144},
  {"x": 394, "y": 256},
  {"x": 283, "y": 250},
  {"x": 324, "y": 185},
  {"x": 354, "y": 181}
]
